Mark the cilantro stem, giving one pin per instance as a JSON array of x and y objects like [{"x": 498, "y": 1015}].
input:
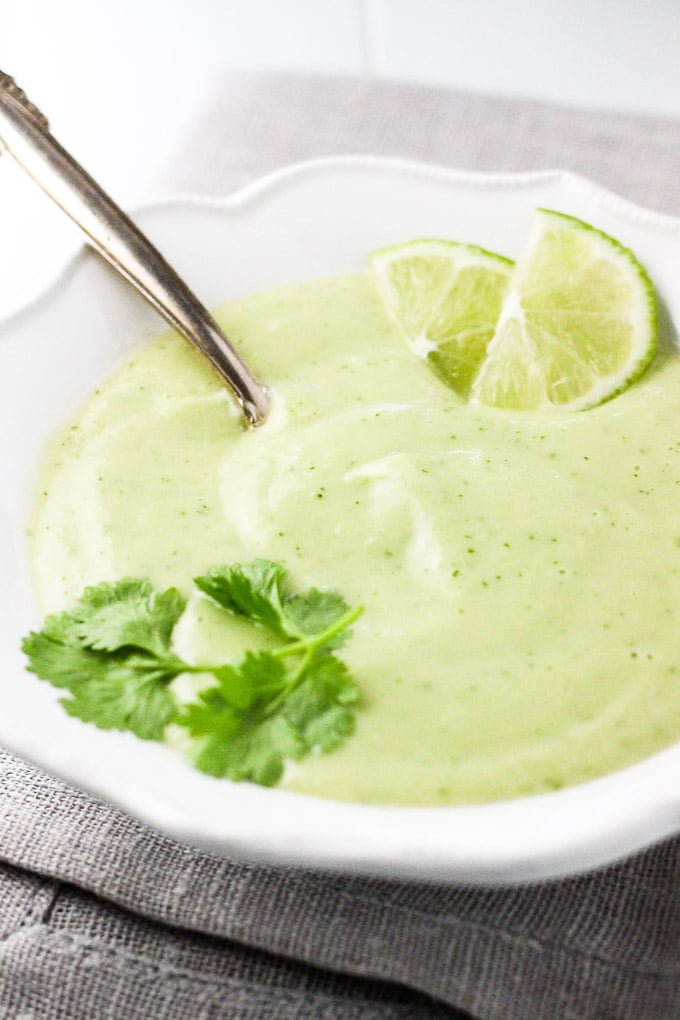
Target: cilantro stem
[
  {"x": 303, "y": 646},
  {"x": 295, "y": 679},
  {"x": 315, "y": 640},
  {"x": 306, "y": 646}
]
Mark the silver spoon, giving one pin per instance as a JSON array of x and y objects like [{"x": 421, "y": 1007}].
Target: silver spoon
[{"x": 24, "y": 133}]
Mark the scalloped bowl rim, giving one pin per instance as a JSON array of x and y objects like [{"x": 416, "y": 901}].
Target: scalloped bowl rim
[{"x": 538, "y": 837}]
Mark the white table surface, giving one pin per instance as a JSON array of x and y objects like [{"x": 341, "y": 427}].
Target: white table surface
[{"x": 120, "y": 80}]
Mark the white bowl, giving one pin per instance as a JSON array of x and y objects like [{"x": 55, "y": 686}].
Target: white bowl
[{"x": 308, "y": 220}]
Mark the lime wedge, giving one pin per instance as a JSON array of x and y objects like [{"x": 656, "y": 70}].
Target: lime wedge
[
  {"x": 578, "y": 322},
  {"x": 446, "y": 298}
]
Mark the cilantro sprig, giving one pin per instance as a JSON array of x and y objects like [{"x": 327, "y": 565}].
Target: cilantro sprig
[{"x": 112, "y": 653}]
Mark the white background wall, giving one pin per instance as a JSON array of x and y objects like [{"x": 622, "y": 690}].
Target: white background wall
[{"x": 122, "y": 77}]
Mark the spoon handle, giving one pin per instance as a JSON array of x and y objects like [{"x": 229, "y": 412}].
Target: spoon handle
[{"x": 24, "y": 134}]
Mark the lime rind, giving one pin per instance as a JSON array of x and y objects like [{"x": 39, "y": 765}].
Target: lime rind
[
  {"x": 650, "y": 293},
  {"x": 435, "y": 244},
  {"x": 445, "y": 296},
  {"x": 572, "y": 325},
  {"x": 534, "y": 358}
]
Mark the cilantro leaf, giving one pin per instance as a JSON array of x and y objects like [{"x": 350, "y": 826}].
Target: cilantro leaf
[
  {"x": 250, "y": 737},
  {"x": 127, "y": 691},
  {"x": 256, "y": 752},
  {"x": 128, "y": 613},
  {"x": 130, "y": 693},
  {"x": 261, "y": 713},
  {"x": 320, "y": 708},
  {"x": 64, "y": 663},
  {"x": 312, "y": 614},
  {"x": 242, "y": 742},
  {"x": 259, "y": 677},
  {"x": 212, "y": 715},
  {"x": 258, "y": 590},
  {"x": 112, "y": 653},
  {"x": 251, "y": 589}
]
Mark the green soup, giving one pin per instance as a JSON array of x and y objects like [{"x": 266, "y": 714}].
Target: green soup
[{"x": 520, "y": 573}]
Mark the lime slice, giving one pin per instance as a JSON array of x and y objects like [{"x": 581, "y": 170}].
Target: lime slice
[
  {"x": 578, "y": 323},
  {"x": 446, "y": 298}
]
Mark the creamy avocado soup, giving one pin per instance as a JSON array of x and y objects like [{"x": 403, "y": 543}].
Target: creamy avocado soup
[{"x": 519, "y": 572}]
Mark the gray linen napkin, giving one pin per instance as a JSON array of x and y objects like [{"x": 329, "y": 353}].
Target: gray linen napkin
[{"x": 103, "y": 918}]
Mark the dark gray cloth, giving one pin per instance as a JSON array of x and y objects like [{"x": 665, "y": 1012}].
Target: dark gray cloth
[{"x": 103, "y": 918}]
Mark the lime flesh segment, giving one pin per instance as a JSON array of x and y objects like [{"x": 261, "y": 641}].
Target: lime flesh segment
[
  {"x": 446, "y": 298},
  {"x": 578, "y": 323}
]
